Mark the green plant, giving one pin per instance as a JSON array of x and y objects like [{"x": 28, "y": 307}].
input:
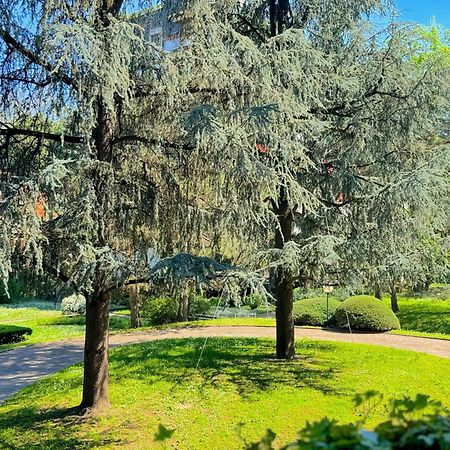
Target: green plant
[
  {"x": 161, "y": 310},
  {"x": 418, "y": 424},
  {"x": 199, "y": 305},
  {"x": 10, "y": 334},
  {"x": 364, "y": 312},
  {"x": 253, "y": 301},
  {"x": 74, "y": 304},
  {"x": 313, "y": 311}
]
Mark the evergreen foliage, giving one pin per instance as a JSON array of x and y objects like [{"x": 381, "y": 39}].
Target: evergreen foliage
[
  {"x": 313, "y": 311},
  {"x": 305, "y": 126},
  {"x": 367, "y": 313}
]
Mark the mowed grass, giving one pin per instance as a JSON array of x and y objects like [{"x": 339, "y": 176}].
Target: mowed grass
[
  {"x": 428, "y": 317},
  {"x": 48, "y": 324},
  {"x": 234, "y": 391}
]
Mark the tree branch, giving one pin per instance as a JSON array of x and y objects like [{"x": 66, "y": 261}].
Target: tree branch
[
  {"x": 35, "y": 59},
  {"x": 41, "y": 134}
]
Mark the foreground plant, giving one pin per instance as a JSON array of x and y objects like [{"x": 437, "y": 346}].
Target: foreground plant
[{"x": 417, "y": 424}]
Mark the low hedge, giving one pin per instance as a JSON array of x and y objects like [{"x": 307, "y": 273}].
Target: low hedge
[
  {"x": 366, "y": 313},
  {"x": 313, "y": 311},
  {"x": 11, "y": 333}
]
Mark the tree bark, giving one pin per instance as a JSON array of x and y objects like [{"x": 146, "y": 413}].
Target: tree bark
[
  {"x": 378, "y": 293},
  {"x": 95, "y": 380},
  {"x": 135, "y": 317},
  {"x": 284, "y": 286},
  {"x": 184, "y": 305},
  {"x": 394, "y": 300}
]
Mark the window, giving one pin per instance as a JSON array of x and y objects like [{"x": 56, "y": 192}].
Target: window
[{"x": 155, "y": 36}]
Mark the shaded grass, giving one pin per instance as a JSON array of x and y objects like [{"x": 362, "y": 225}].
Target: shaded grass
[
  {"x": 424, "y": 315},
  {"x": 236, "y": 381}
]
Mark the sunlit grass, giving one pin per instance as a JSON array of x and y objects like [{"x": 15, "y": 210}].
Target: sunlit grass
[{"x": 236, "y": 381}]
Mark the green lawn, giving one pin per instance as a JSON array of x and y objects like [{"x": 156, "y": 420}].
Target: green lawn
[
  {"x": 429, "y": 317},
  {"x": 237, "y": 381},
  {"x": 47, "y": 323}
]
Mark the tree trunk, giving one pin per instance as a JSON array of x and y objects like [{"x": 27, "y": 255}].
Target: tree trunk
[
  {"x": 184, "y": 305},
  {"x": 95, "y": 381},
  {"x": 135, "y": 316},
  {"x": 394, "y": 301},
  {"x": 284, "y": 286},
  {"x": 378, "y": 293}
]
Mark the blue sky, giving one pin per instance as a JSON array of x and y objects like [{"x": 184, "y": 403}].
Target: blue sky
[{"x": 422, "y": 11}]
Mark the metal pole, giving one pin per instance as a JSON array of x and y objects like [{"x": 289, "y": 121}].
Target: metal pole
[{"x": 327, "y": 306}]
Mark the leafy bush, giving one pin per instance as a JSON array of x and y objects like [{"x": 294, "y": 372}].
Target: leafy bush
[
  {"x": 200, "y": 306},
  {"x": 161, "y": 310},
  {"x": 313, "y": 311},
  {"x": 253, "y": 301},
  {"x": 11, "y": 333},
  {"x": 74, "y": 304},
  {"x": 366, "y": 313},
  {"x": 419, "y": 424}
]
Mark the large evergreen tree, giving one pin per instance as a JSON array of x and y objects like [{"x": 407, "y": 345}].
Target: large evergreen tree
[
  {"x": 85, "y": 190},
  {"x": 310, "y": 125}
]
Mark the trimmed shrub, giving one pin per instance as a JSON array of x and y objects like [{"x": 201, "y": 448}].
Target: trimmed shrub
[
  {"x": 367, "y": 313},
  {"x": 313, "y": 311},
  {"x": 74, "y": 304},
  {"x": 11, "y": 333},
  {"x": 161, "y": 310}
]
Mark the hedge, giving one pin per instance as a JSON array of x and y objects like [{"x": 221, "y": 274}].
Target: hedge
[
  {"x": 367, "y": 313},
  {"x": 11, "y": 333},
  {"x": 313, "y": 311}
]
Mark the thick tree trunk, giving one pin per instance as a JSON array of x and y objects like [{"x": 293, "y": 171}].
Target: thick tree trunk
[
  {"x": 135, "y": 316},
  {"x": 95, "y": 381},
  {"x": 394, "y": 300},
  {"x": 284, "y": 287}
]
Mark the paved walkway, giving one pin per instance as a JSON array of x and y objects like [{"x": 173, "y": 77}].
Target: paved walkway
[{"x": 24, "y": 365}]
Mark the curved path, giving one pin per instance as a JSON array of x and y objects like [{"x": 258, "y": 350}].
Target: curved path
[{"x": 24, "y": 365}]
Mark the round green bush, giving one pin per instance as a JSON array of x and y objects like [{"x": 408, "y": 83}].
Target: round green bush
[
  {"x": 161, "y": 310},
  {"x": 313, "y": 311},
  {"x": 365, "y": 312}
]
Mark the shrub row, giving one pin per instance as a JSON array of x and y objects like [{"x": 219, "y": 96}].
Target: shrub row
[
  {"x": 11, "y": 333},
  {"x": 163, "y": 310},
  {"x": 361, "y": 312}
]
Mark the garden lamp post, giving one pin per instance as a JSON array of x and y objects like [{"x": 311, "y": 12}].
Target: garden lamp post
[{"x": 328, "y": 289}]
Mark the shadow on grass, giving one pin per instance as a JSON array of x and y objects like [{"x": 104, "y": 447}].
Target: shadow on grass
[
  {"x": 247, "y": 364},
  {"x": 61, "y": 435},
  {"x": 430, "y": 317}
]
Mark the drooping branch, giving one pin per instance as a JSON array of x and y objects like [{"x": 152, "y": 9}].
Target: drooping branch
[{"x": 35, "y": 59}]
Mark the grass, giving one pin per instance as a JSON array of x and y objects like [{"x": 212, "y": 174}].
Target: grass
[
  {"x": 427, "y": 317},
  {"x": 47, "y": 323},
  {"x": 237, "y": 382},
  {"x": 424, "y": 317}
]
